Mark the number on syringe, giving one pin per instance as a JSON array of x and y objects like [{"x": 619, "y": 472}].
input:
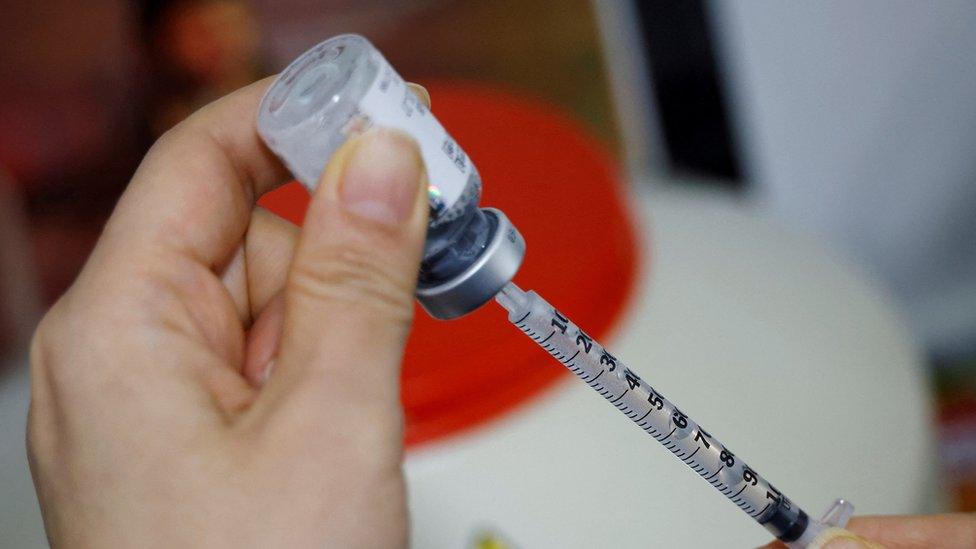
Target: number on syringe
[
  {"x": 559, "y": 322},
  {"x": 680, "y": 420},
  {"x": 654, "y": 399},
  {"x": 608, "y": 360},
  {"x": 703, "y": 436},
  {"x": 632, "y": 379},
  {"x": 585, "y": 341},
  {"x": 777, "y": 497},
  {"x": 748, "y": 475}
]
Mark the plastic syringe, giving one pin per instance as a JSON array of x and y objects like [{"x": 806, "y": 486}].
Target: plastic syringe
[{"x": 661, "y": 419}]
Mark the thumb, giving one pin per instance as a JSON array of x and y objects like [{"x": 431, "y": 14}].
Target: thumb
[{"x": 349, "y": 295}]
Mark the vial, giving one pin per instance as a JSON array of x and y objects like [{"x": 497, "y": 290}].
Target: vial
[{"x": 343, "y": 86}]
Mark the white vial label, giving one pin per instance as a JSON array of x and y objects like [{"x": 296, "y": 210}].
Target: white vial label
[{"x": 390, "y": 103}]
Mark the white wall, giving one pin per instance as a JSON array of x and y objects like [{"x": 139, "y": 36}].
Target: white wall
[{"x": 857, "y": 122}]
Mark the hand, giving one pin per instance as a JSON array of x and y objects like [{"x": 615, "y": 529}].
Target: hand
[
  {"x": 903, "y": 532},
  {"x": 149, "y": 423}
]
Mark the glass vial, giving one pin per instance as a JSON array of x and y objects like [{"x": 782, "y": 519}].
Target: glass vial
[{"x": 343, "y": 86}]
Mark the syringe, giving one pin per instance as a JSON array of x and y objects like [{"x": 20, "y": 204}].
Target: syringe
[
  {"x": 661, "y": 419},
  {"x": 342, "y": 86}
]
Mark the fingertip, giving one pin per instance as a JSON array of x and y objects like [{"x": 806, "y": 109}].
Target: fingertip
[
  {"x": 263, "y": 342},
  {"x": 266, "y": 373},
  {"x": 421, "y": 93}
]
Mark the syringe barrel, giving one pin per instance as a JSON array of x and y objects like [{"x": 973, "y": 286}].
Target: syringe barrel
[{"x": 653, "y": 413}]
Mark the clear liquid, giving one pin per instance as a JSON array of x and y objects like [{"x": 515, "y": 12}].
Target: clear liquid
[{"x": 313, "y": 108}]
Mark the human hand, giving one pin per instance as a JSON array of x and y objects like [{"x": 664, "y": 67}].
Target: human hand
[
  {"x": 949, "y": 531},
  {"x": 150, "y": 424}
]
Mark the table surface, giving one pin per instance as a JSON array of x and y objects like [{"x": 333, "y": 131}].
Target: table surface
[
  {"x": 788, "y": 355},
  {"x": 783, "y": 351}
]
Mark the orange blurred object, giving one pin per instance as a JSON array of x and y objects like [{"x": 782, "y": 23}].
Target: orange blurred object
[{"x": 562, "y": 191}]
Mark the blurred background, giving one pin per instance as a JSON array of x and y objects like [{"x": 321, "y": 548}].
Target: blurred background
[{"x": 850, "y": 123}]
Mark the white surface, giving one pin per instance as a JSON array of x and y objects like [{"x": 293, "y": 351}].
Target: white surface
[
  {"x": 788, "y": 356},
  {"x": 857, "y": 122},
  {"x": 785, "y": 354},
  {"x": 20, "y": 518}
]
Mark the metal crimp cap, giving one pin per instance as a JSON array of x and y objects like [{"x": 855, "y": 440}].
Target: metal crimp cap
[{"x": 478, "y": 284}]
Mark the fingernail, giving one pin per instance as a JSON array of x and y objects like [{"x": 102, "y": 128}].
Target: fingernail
[
  {"x": 382, "y": 177},
  {"x": 267, "y": 372},
  {"x": 421, "y": 93}
]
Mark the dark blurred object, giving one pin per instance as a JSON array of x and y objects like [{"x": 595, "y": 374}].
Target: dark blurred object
[
  {"x": 955, "y": 382},
  {"x": 88, "y": 88},
  {"x": 691, "y": 101},
  {"x": 69, "y": 122},
  {"x": 75, "y": 121},
  {"x": 18, "y": 297},
  {"x": 68, "y": 78},
  {"x": 199, "y": 50},
  {"x": 549, "y": 49}
]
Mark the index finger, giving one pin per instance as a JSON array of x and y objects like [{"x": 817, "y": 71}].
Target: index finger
[{"x": 194, "y": 191}]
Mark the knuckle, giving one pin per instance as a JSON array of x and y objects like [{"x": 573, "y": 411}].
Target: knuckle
[
  {"x": 38, "y": 439},
  {"x": 36, "y": 353},
  {"x": 169, "y": 139},
  {"x": 351, "y": 274},
  {"x": 42, "y": 334},
  {"x": 49, "y": 370}
]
